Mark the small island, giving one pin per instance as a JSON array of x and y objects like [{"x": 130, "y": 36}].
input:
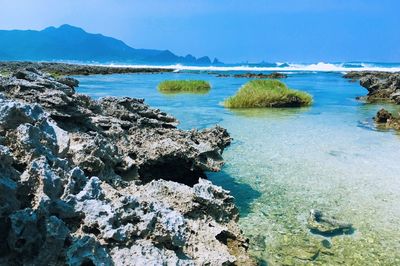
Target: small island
[
  {"x": 184, "y": 86},
  {"x": 267, "y": 93}
]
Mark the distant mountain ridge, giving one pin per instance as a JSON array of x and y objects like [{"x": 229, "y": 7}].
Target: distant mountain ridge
[{"x": 72, "y": 43}]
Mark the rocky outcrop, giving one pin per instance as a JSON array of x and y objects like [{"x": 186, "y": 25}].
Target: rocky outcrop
[
  {"x": 85, "y": 182},
  {"x": 381, "y": 86},
  {"x": 387, "y": 120},
  {"x": 356, "y": 75}
]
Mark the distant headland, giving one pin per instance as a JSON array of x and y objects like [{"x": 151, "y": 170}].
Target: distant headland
[{"x": 72, "y": 43}]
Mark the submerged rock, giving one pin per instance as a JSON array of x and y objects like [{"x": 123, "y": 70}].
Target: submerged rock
[
  {"x": 320, "y": 223},
  {"x": 85, "y": 182}
]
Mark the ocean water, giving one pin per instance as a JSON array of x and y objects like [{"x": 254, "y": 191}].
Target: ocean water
[{"x": 284, "y": 162}]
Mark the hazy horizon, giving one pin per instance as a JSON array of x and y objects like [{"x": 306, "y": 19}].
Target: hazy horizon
[{"x": 233, "y": 31}]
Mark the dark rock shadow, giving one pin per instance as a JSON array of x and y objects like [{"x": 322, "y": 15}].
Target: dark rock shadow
[
  {"x": 333, "y": 233},
  {"x": 244, "y": 194}
]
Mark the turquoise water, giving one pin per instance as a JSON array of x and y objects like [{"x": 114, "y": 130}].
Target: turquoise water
[{"x": 284, "y": 162}]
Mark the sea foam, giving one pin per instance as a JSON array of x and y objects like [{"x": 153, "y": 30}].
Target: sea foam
[{"x": 281, "y": 67}]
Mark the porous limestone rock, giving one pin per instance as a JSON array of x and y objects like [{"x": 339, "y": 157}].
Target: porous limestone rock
[{"x": 85, "y": 182}]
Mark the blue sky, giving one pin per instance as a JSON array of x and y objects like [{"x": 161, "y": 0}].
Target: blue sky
[{"x": 233, "y": 31}]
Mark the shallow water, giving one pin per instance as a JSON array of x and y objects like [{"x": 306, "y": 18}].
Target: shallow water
[{"x": 284, "y": 162}]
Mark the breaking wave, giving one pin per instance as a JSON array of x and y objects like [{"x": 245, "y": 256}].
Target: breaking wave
[{"x": 317, "y": 67}]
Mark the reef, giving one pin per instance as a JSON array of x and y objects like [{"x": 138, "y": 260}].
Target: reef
[
  {"x": 273, "y": 75},
  {"x": 107, "y": 182},
  {"x": 381, "y": 86}
]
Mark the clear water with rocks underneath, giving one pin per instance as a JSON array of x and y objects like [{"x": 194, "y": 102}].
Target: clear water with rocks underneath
[{"x": 284, "y": 162}]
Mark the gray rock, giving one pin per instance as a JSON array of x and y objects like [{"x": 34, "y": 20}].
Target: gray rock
[
  {"x": 381, "y": 86},
  {"x": 106, "y": 182}
]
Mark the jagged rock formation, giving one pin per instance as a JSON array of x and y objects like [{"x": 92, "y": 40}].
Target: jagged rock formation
[
  {"x": 386, "y": 119},
  {"x": 85, "y": 182},
  {"x": 380, "y": 85}
]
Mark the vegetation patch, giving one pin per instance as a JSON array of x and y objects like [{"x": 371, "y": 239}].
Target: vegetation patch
[
  {"x": 5, "y": 73},
  {"x": 267, "y": 93},
  {"x": 184, "y": 86}
]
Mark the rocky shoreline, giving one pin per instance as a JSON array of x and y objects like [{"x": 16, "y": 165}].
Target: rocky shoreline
[
  {"x": 64, "y": 69},
  {"x": 273, "y": 75},
  {"x": 382, "y": 87},
  {"x": 106, "y": 182}
]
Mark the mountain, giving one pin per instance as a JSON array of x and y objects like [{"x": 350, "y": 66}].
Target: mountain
[{"x": 72, "y": 43}]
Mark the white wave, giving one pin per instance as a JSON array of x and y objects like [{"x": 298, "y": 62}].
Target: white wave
[{"x": 318, "y": 67}]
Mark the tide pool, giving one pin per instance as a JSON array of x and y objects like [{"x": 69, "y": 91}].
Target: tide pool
[{"x": 284, "y": 162}]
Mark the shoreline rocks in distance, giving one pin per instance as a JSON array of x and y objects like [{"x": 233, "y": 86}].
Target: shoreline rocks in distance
[
  {"x": 107, "y": 182},
  {"x": 381, "y": 86},
  {"x": 273, "y": 75},
  {"x": 65, "y": 69}
]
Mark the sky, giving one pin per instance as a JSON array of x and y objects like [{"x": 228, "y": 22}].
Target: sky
[{"x": 301, "y": 31}]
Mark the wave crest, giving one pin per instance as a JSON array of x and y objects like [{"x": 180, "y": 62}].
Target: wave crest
[{"x": 281, "y": 67}]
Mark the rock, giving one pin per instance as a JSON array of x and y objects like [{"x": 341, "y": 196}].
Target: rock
[
  {"x": 107, "y": 182},
  {"x": 277, "y": 75},
  {"x": 385, "y": 119},
  {"x": 320, "y": 223},
  {"x": 70, "y": 82},
  {"x": 381, "y": 86},
  {"x": 274, "y": 75},
  {"x": 383, "y": 116},
  {"x": 60, "y": 69},
  {"x": 87, "y": 251},
  {"x": 114, "y": 136},
  {"x": 356, "y": 75}
]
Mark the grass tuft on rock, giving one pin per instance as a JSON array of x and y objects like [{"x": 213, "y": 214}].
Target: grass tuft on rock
[
  {"x": 267, "y": 93},
  {"x": 184, "y": 86}
]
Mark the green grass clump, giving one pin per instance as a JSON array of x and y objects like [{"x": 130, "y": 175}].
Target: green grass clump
[
  {"x": 184, "y": 86},
  {"x": 5, "y": 73},
  {"x": 267, "y": 93},
  {"x": 55, "y": 75}
]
